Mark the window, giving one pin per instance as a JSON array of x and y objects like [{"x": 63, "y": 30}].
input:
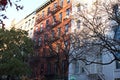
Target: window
[
  {"x": 25, "y": 25},
  {"x": 78, "y": 24},
  {"x": 44, "y": 52},
  {"x": 32, "y": 21},
  {"x": 30, "y": 33},
  {"x": 66, "y": 43},
  {"x": 55, "y": 68},
  {"x": 42, "y": 14},
  {"x": 78, "y": 7},
  {"x": 68, "y": 1},
  {"x": 64, "y": 64},
  {"x": 58, "y": 47},
  {"x": 66, "y": 28},
  {"x": 117, "y": 37},
  {"x": 29, "y": 23},
  {"x": 68, "y": 12},
  {"x": 53, "y": 33},
  {"x": 40, "y": 41},
  {"x": 47, "y": 24},
  {"x": 60, "y": 16},
  {"x": 59, "y": 32},
  {"x": 55, "y": 5},
  {"x": 82, "y": 70},
  {"x": 21, "y": 27},
  {"x": 76, "y": 67},
  {"x": 75, "y": 30},
  {"x": 61, "y": 3},
  {"x": 48, "y": 11},
  {"x": 35, "y": 40},
  {"x": 54, "y": 19},
  {"x": 117, "y": 78},
  {"x": 41, "y": 68},
  {"x": 118, "y": 62},
  {"x": 45, "y": 36},
  {"x": 41, "y": 27},
  {"x": 48, "y": 68},
  {"x": 36, "y": 29},
  {"x": 117, "y": 33}
]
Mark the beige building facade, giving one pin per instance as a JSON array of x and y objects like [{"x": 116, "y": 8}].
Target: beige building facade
[{"x": 27, "y": 24}]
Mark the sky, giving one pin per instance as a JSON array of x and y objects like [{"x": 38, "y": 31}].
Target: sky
[{"x": 29, "y": 6}]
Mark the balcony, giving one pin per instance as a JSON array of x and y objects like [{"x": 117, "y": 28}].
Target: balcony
[
  {"x": 48, "y": 26},
  {"x": 67, "y": 18},
  {"x": 53, "y": 39},
  {"x": 96, "y": 76},
  {"x": 39, "y": 19},
  {"x": 54, "y": 10},
  {"x": 56, "y": 38},
  {"x": 54, "y": 24},
  {"x": 36, "y": 33}
]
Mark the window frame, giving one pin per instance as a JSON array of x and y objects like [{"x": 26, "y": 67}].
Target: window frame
[
  {"x": 53, "y": 33},
  {"x": 77, "y": 67},
  {"x": 78, "y": 24},
  {"x": 39, "y": 41},
  {"x": 67, "y": 11},
  {"x": 48, "y": 11},
  {"x": 118, "y": 62},
  {"x": 55, "y": 5},
  {"x": 66, "y": 27},
  {"x": 68, "y": 1},
  {"x": 49, "y": 68},
  {"x": 43, "y": 14},
  {"x": 60, "y": 16},
  {"x": 61, "y": 3},
  {"x": 59, "y": 32}
]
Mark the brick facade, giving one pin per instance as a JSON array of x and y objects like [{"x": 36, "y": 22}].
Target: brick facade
[{"x": 51, "y": 37}]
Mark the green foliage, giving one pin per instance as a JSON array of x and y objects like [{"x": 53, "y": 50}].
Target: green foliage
[{"x": 15, "y": 49}]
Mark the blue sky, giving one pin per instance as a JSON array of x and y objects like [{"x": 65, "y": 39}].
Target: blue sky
[{"x": 29, "y": 6}]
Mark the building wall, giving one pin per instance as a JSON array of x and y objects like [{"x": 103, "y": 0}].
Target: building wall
[
  {"x": 26, "y": 24},
  {"x": 108, "y": 72},
  {"x": 45, "y": 30}
]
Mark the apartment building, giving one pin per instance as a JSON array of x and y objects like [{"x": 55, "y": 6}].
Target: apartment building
[
  {"x": 26, "y": 24},
  {"x": 51, "y": 37},
  {"x": 77, "y": 68}
]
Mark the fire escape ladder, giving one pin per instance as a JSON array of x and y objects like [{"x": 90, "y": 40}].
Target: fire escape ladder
[
  {"x": 101, "y": 75},
  {"x": 86, "y": 70},
  {"x": 96, "y": 76}
]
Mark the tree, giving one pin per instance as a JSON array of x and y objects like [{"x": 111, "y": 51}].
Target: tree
[
  {"x": 15, "y": 49},
  {"x": 99, "y": 34}
]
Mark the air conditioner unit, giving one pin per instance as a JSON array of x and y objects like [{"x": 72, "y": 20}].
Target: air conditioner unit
[{"x": 67, "y": 17}]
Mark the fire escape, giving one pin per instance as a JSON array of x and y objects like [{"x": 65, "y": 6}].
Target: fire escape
[
  {"x": 51, "y": 37},
  {"x": 94, "y": 75}
]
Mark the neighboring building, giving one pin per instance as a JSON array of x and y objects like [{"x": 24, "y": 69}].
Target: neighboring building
[
  {"x": 51, "y": 37},
  {"x": 77, "y": 69},
  {"x": 26, "y": 24}
]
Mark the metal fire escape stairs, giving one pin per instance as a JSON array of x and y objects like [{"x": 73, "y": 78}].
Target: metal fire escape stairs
[{"x": 94, "y": 76}]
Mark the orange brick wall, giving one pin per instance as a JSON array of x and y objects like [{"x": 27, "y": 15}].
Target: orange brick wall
[{"x": 61, "y": 25}]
